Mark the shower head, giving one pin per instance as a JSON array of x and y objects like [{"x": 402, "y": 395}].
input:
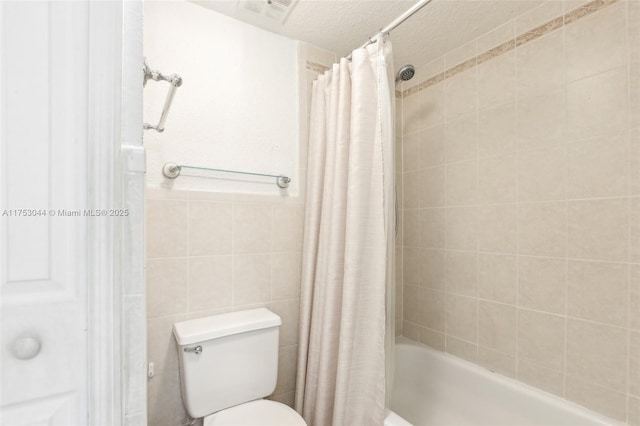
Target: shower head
[{"x": 406, "y": 73}]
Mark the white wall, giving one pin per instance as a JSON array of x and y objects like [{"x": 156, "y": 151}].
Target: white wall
[{"x": 237, "y": 107}]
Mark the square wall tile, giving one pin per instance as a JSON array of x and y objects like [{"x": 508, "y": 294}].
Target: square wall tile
[
  {"x": 251, "y": 279},
  {"x": 634, "y": 297},
  {"x": 497, "y": 179},
  {"x": 411, "y": 305},
  {"x": 411, "y": 228},
  {"x": 411, "y": 152},
  {"x": 432, "y": 146},
  {"x": 287, "y": 227},
  {"x": 598, "y": 291},
  {"x": 498, "y": 228},
  {"x": 432, "y": 228},
  {"x": 431, "y": 105},
  {"x": 432, "y": 186},
  {"x": 210, "y": 228},
  {"x": 432, "y": 269},
  {"x": 411, "y": 266},
  {"x": 286, "y": 270},
  {"x": 597, "y": 353},
  {"x": 541, "y": 121},
  {"x": 166, "y": 228},
  {"x": 461, "y": 138},
  {"x": 596, "y": 43},
  {"x": 597, "y": 105},
  {"x": 412, "y": 114},
  {"x": 432, "y": 309},
  {"x": 462, "y": 183},
  {"x": 599, "y": 229},
  {"x": 542, "y": 174},
  {"x": 540, "y": 65},
  {"x": 462, "y": 317},
  {"x": 411, "y": 190},
  {"x": 462, "y": 228},
  {"x": 541, "y": 339},
  {"x": 542, "y": 284},
  {"x": 462, "y": 273},
  {"x": 497, "y": 130},
  {"x": 210, "y": 283},
  {"x": 252, "y": 228},
  {"x": 166, "y": 287},
  {"x": 634, "y": 363},
  {"x": 542, "y": 229},
  {"x": 497, "y": 277},
  {"x": 598, "y": 167},
  {"x": 497, "y": 80},
  {"x": 497, "y": 327}
]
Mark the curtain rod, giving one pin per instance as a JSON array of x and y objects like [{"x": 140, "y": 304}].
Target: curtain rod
[{"x": 396, "y": 22}]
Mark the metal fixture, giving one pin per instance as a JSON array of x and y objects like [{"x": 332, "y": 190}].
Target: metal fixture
[
  {"x": 396, "y": 22},
  {"x": 406, "y": 73},
  {"x": 172, "y": 171},
  {"x": 174, "y": 80},
  {"x": 197, "y": 350}
]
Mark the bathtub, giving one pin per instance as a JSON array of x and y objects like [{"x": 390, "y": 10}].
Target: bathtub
[{"x": 434, "y": 388}]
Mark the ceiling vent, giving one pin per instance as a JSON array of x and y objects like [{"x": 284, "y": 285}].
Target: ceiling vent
[{"x": 273, "y": 10}]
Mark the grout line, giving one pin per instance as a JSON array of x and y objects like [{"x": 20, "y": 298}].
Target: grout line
[
  {"x": 446, "y": 216},
  {"x": 477, "y": 208},
  {"x": 517, "y": 150},
  {"x": 566, "y": 212}
]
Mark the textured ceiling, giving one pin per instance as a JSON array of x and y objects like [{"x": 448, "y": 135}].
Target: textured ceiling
[{"x": 342, "y": 25}]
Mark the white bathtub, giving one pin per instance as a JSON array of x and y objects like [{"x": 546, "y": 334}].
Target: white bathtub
[{"x": 434, "y": 388}]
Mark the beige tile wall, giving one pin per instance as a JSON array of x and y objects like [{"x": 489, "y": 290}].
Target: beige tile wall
[
  {"x": 520, "y": 247},
  {"x": 210, "y": 253},
  {"x": 213, "y": 253}
]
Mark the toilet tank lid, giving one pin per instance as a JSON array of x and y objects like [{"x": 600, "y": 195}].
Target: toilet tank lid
[{"x": 202, "y": 329}]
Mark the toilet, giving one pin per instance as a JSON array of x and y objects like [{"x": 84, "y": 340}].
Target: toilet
[{"x": 228, "y": 363}]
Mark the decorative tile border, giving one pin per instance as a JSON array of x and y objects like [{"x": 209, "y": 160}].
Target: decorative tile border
[
  {"x": 507, "y": 46},
  {"x": 319, "y": 68}
]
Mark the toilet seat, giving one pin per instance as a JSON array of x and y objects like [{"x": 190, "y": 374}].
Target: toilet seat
[{"x": 261, "y": 412}]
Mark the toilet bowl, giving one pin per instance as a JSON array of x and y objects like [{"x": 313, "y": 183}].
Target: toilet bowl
[{"x": 228, "y": 364}]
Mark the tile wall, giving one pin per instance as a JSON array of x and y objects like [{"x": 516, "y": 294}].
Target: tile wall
[
  {"x": 520, "y": 201},
  {"x": 210, "y": 253}
]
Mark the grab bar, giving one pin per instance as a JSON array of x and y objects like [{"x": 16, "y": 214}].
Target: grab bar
[{"x": 175, "y": 81}]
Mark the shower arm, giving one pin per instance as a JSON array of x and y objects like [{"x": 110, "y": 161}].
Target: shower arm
[{"x": 174, "y": 80}]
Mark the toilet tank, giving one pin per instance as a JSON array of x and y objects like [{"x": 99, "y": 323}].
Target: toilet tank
[{"x": 227, "y": 359}]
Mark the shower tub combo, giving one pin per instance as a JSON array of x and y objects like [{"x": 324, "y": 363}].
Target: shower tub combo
[{"x": 434, "y": 388}]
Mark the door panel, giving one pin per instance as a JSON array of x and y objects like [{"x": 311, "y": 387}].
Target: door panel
[{"x": 44, "y": 92}]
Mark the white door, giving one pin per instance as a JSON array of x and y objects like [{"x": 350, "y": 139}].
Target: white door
[{"x": 43, "y": 122}]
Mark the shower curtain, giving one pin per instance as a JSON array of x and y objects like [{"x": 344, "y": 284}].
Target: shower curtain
[{"x": 346, "y": 318}]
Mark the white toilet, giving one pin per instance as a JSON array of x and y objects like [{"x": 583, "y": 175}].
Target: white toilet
[{"x": 228, "y": 363}]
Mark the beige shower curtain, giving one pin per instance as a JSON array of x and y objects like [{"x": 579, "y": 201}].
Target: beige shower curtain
[{"x": 346, "y": 318}]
